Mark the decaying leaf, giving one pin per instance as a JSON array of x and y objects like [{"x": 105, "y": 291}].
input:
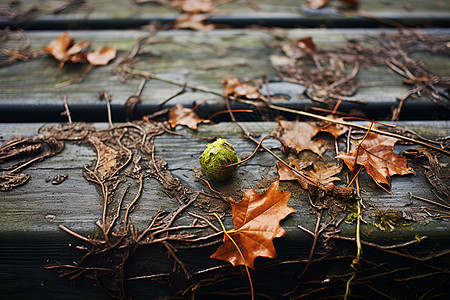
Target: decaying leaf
[
  {"x": 257, "y": 222},
  {"x": 193, "y": 6},
  {"x": 321, "y": 173},
  {"x": 433, "y": 172},
  {"x": 180, "y": 115},
  {"x": 101, "y": 56},
  {"x": 316, "y": 4},
  {"x": 64, "y": 49},
  {"x": 234, "y": 87},
  {"x": 376, "y": 154},
  {"x": 298, "y": 136},
  {"x": 21, "y": 150},
  {"x": 193, "y": 21},
  {"x": 10, "y": 181},
  {"x": 306, "y": 43},
  {"x": 336, "y": 130},
  {"x": 109, "y": 159}
]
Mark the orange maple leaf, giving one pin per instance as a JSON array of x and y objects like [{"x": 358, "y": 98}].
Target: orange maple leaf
[
  {"x": 376, "y": 154},
  {"x": 257, "y": 222}
]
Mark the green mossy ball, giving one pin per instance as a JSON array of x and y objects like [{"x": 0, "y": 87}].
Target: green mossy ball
[{"x": 217, "y": 155}]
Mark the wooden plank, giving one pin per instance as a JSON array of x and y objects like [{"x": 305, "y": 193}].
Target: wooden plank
[
  {"x": 30, "y": 215},
  {"x": 202, "y": 59},
  {"x": 289, "y": 13}
]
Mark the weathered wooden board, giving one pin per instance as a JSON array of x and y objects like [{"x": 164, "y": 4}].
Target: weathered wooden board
[
  {"x": 202, "y": 59},
  {"x": 290, "y": 13},
  {"x": 30, "y": 237}
]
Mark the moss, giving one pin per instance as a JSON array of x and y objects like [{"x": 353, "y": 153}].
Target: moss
[{"x": 215, "y": 158}]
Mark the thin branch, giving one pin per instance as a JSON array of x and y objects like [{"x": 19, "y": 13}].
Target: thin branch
[{"x": 279, "y": 108}]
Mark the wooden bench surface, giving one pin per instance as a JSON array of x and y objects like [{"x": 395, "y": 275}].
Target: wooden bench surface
[
  {"x": 288, "y": 13},
  {"x": 201, "y": 59},
  {"x": 37, "y": 240},
  {"x": 33, "y": 216}
]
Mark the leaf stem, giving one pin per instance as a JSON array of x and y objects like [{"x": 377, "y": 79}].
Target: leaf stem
[{"x": 227, "y": 233}]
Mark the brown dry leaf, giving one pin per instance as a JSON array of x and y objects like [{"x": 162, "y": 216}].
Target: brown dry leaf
[
  {"x": 180, "y": 115},
  {"x": 63, "y": 49},
  {"x": 376, "y": 154},
  {"x": 321, "y": 173},
  {"x": 351, "y": 4},
  {"x": 257, "y": 222},
  {"x": 234, "y": 87},
  {"x": 306, "y": 43},
  {"x": 193, "y": 6},
  {"x": 335, "y": 130},
  {"x": 192, "y": 21},
  {"x": 315, "y": 4},
  {"x": 298, "y": 136},
  {"x": 101, "y": 56},
  {"x": 10, "y": 181},
  {"x": 108, "y": 158}
]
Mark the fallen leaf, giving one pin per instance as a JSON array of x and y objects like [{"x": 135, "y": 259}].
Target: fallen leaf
[
  {"x": 101, "y": 56},
  {"x": 257, "y": 222},
  {"x": 109, "y": 159},
  {"x": 315, "y": 4},
  {"x": 234, "y": 87},
  {"x": 298, "y": 136},
  {"x": 192, "y": 21},
  {"x": 192, "y": 6},
  {"x": 63, "y": 49},
  {"x": 336, "y": 130},
  {"x": 306, "y": 43},
  {"x": 180, "y": 115},
  {"x": 376, "y": 154},
  {"x": 351, "y": 4},
  {"x": 321, "y": 173}
]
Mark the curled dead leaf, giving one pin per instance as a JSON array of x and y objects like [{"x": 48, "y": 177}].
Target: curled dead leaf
[
  {"x": 180, "y": 115},
  {"x": 193, "y": 6},
  {"x": 193, "y": 21},
  {"x": 101, "y": 56},
  {"x": 64, "y": 49},
  {"x": 234, "y": 87}
]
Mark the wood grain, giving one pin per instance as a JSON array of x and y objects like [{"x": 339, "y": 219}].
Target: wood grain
[
  {"x": 124, "y": 14},
  {"x": 30, "y": 239},
  {"x": 202, "y": 59}
]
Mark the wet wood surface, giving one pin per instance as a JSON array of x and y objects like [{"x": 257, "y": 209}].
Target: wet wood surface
[
  {"x": 201, "y": 59},
  {"x": 30, "y": 214},
  {"x": 291, "y": 13}
]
